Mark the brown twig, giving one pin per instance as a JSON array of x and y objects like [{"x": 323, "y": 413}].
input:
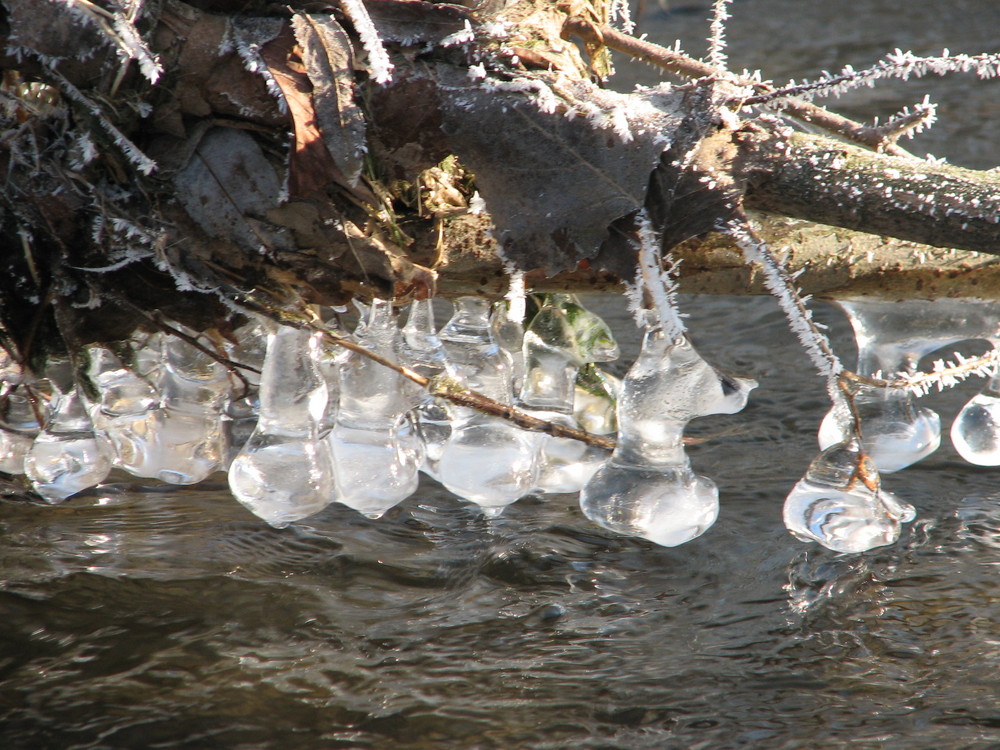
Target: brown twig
[{"x": 675, "y": 62}]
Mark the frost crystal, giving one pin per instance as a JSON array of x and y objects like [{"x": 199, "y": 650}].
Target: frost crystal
[
  {"x": 792, "y": 303},
  {"x": 717, "y": 35},
  {"x": 378, "y": 58}
]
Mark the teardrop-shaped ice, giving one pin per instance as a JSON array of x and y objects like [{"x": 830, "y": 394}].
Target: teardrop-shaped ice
[
  {"x": 839, "y": 503},
  {"x": 376, "y": 463},
  {"x": 67, "y": 456},
  {"x": 975, "y": 433},
  {"x": 285, "y": 472},
  {"x": 646, "y": 488},
  {"x": 22, "y": 412},
  {"x": 486, "y": 460}
]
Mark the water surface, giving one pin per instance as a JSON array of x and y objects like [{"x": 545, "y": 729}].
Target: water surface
[{"x": 158, "y": 617}]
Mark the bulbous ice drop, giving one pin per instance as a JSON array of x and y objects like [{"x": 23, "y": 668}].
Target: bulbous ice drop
[
  {"x": 376, "y": 463},
  {"x": 486, "y": 461},
  {"x": 67, "y": 456},
  {"x": 646, "y": 488},
  {"x": 665, "y": 506},
  {"x": 896, "y": 432},
  {"x": 839, "y": 503},
  {"x": 285, "y": 470},
  {"x": 975, "y": 433},
  {"x": 375, "y": 469},
  {"x": 182, "y": 441},
  {"x": 489, "y": 462},
  {"x": 562, "y": 337}
]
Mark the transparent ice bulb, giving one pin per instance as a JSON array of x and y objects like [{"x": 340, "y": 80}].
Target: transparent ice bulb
[
  {"x": 486, "y": 460},
  {"x": 975, "y": 433},
  {"x": 646, "y": 488},
  {"x": 376, "y": 461},
  {"x": 67, "y": 456},
  {"x": 285, "y": 471},
  {"x": 839, "y": 503},
  {"x": 181, "y": 441},
  {"x": 897, "y": 432}
]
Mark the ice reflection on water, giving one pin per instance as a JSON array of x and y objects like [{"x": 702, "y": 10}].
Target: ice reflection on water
[{"x": 173, "y": 618}]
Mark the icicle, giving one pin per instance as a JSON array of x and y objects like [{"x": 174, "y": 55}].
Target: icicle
[
  {"x": 376, "y": 458},
  {"x": 562, "y": 337},
  {"x": 67, "y": 456},
  {"x": 486, "y": 460},
  {"x": 285, "y": 470},
  {"x": 839, "y": 503},
  {"x": 646, "y": 488},
  {"x": 424, "y": 353}
]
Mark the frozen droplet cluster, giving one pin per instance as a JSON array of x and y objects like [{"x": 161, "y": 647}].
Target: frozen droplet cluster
[{"x": 299, "y": 422}]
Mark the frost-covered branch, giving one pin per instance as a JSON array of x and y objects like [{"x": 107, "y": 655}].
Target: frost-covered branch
[
  {"x": 717, "y": 34},
  {"x": 943, "y": 374},
  {"x": 792, "y": 303},
  {"x": 899, "y": 64},
  {"x": 652, "y": 297}
]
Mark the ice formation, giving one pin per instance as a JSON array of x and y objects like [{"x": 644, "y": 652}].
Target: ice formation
[
  {"x": 284, "y": 472},
  {"x": 647, "y": 488},
  {"x": 376, "y": 460},
  {"x": 840, "y": 504},
  {"x": 486, "y": 460},
  {"x": 561, "y": 338}
]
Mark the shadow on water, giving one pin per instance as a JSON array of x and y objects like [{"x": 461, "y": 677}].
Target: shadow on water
[{"x": 170, "y": 618}]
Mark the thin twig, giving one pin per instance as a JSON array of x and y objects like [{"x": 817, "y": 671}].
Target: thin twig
[{"x": 675, "y": 62}]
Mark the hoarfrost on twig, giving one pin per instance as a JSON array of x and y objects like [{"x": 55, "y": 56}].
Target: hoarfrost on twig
[
  {"x": 717, "y": 34},
  {"x": 793, "y": 304},
  {"x": 898, "y": 64},
  {"x": 378, "y": 59},
  {"x": 654, "y": 282}
]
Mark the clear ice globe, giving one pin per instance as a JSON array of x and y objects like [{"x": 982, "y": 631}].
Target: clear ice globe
[{"x": 975, "y": 433}]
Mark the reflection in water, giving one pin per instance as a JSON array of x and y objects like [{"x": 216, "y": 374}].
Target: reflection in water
[{"x": 134, "y": 617}]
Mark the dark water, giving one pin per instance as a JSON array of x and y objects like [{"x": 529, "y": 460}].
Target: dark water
[{"x": 165, "y": 618}]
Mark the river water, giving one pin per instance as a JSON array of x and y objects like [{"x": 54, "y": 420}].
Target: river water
[{"x": 155, "y": 617}]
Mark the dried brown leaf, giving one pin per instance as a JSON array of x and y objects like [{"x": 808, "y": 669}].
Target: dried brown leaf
[
  {"x": 328, "y": 58},
  {"x": 555, "y": 179},
  {"x": 310, "y": 166}
]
